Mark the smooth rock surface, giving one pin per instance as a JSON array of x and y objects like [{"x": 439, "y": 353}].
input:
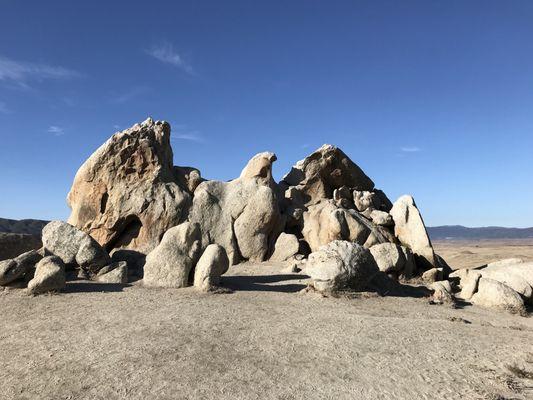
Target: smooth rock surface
[
  {"x": 494, "y": 294},
  {"x": 287, "y": 246},
  {"x": 212, "y": 264},
  {"x": 409, "y": 228}
]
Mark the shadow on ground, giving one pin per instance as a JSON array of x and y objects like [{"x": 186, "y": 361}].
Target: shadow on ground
[
  {"x": 265, "y": 283},
  {"x": 89, "y": 287}
]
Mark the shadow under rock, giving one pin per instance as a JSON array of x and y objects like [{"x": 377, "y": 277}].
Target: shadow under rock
[
  {"x": 89, "y": 287},
  {"x": 260, "y": 283},
  {"x": 385, "y": 286}
]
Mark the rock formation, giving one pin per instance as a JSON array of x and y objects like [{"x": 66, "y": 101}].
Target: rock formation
[
  {"x": 127, "y": 194},
  {"x": 75, "y": 248},
  {"x": 241, "y": 215}
]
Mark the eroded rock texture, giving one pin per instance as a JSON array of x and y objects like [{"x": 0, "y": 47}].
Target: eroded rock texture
[{"x": 127, "y": 194}]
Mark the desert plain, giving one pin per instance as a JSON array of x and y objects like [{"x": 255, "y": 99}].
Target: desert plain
[{"x": 264, "y": 338}]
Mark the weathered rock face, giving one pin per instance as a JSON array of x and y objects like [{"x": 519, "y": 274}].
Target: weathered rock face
[
  {"x": 409, "y": 228},
  {"x": 49, "y": 276},
  {"x": 170, "y": 263},
  {"x": 341, "y": 265},
  {"x": 241, "y": 215},
  {"x": 74, "y": 247},
  {"x": 127, "y": 195},
  {"x": 19, "y": 267},
  {"x": 211, "y": 265},
  {"x": 327, "y": 169},
  {"x": 494, "y": 294}
]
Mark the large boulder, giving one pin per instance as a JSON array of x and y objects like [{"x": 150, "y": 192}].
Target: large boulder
[
  {"x": 19, "y": 267},
  {"x": 392, "y": 258},
  {"x": 494, "y": 294},
  {"x": 514, "y": 281},
  {"x": 170, "y": 263},
  {"x": 74, "y": 247},
  {"x": 127, "y": 194},
  {"x": 341, "y": 265},
  {"x": 241, "y": 215},
  {"x": 49, "y": 276},
  {"x": 211, "y": 265},
  {"x": 409, "y": 228},
  {"x": 327, "y": 169}
]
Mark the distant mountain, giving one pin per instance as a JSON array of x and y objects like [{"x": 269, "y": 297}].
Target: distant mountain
[
  {"x": 488, "y": 232},
  {"x": 28, "y": 226}
]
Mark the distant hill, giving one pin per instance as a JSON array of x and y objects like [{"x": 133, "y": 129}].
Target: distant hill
[
  {"x": 489, "y": 232},
  {"x": 28, "y": 226}
]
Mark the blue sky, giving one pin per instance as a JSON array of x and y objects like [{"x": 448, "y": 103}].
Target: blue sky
[{"x": 432, "y": 98}]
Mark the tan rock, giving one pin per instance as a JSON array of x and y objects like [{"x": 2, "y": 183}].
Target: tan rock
[
  {"x": 286, "y": 247},
  {"x": 494, "y": 294},
  {"x": 126, "y": 195},
  {"x": 49, "y": 276}
]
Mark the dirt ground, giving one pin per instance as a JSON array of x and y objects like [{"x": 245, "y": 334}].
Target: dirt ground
[{"x": 265, "y": 340}]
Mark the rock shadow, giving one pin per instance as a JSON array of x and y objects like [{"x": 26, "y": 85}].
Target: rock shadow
[
  {"x": 263, "y": 283},
  {"x": 90, "y": 287}
]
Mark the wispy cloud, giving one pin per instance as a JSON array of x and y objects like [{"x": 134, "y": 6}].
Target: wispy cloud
[
  {"x": 412, "y": 149},
  {"x": 4, "y": 109},
  {"x": 192, "y": 136},
  {"x": 165, "y": 53},
  {"x": 21, "y": 73},
  {"x": 129, "y": 95},
  {"x": 56, "y": 130}
]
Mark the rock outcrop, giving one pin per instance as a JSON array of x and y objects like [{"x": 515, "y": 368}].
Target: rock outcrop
[
  {"x": 241, "y": 215},
  {"x": 210, "y": 267},
  {"x": 127, "y": 195},
  {"x": 74, "y": 247},
  {"x": 49, "y": 276},
  {"x": 341, "y": 265},
  {"x": 327, "y": 169},
  {"x": 171, "y": 262}
]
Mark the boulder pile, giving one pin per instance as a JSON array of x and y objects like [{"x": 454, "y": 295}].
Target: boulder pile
[{"x": 136, "y": 215}]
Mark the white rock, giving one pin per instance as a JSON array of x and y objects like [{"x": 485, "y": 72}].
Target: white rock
[
  {"x": 409, "y": 228},
  {"x": 116, "y": 272},
  {"x": 494, "y": 294},
  {"x": 341, "y": 265},
  {"x": 169, "y": 264},
  {"x": 212, "y": 264},
  {"x": 287, "y": 246}
]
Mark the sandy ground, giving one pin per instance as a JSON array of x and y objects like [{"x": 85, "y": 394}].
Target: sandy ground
[
  {"x": 263, "y": 341},
  {"x": 467, "y": 253}
]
